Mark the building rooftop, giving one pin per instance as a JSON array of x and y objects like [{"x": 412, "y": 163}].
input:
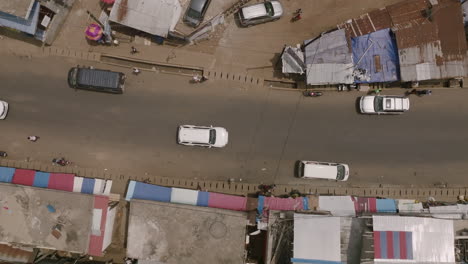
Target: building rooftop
[
  {"x": 329, "y": 59},
  {"x": 413, "y": 239},
  {"x": 45, "y": 218},
  {"x": 19, "y": 8},
  {"x": 429, "y": 33},
  {"x": 175, "y": 233},
  {"x": 156, "y": 17}
]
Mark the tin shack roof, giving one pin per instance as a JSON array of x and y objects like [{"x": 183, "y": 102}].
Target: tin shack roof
[
  {"x": 329, "y": 59},
  {"x": 433, "y": 47},
  {"x": 19, "y": 8},
  {"x": 45, "y": 218},
  {"x": 176, "y": 233},
  {"x": 430, "y": 36},
  {"x": 156, "y": 17}
]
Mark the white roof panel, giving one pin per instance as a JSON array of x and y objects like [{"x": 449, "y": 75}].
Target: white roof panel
[
  {"x": 317, "y": 237},
  {"x": 156, "y": 17},
  {"x": 432, "y": 239},
  {"x": 184, "y": 196},
  {"x": 407, "y": 206},
  {"x": 337, "y": 205}
]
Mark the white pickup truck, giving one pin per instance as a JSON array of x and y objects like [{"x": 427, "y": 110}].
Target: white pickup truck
[{"x": 384, "y": 104}]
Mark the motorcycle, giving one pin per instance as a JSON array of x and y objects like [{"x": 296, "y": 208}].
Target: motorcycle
[
  {"x": 61, "y": 162},
  {"x": 296, "y": 15},
  {"x": 198, "y": 79},
  {"x": 3, "y": 154},
  {"x": 312, "y": 94}
]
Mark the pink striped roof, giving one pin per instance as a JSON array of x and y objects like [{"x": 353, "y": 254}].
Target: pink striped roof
[
  {"x": 61, "y": 181},
  {"x": 288, "y": 204},
  {"x": 225, "y": 201},
  {"x": 24, "y": 177}
]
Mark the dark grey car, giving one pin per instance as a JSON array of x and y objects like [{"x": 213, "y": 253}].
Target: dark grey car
[
  {"x": 195, "y": 12},
  {"x": 96, "y": 80}
]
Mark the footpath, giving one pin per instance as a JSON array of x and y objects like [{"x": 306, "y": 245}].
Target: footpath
[{"x": 120, "y": 182}]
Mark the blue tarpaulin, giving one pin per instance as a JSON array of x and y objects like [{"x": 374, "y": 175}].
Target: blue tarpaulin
[
  {"x": 203, "y": 198},
  {"x": 41, "y": 179},
  {"x": 6, "y": 174},
  {"x": 24, "y": 25},
  {"x": 151, "y": 192},
  {"x": 376, "y": 53},
  {"x": 386, "y": 206},
  {"x": 88, "y": 185}
]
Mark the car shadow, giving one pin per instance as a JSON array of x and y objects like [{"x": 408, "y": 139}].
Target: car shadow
[{"x": 357, "y": 105}]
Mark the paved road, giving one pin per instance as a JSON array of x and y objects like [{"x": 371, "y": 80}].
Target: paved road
[{"x": 269, "y": 129}]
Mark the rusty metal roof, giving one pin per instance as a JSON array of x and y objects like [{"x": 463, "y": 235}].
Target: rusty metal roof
[
  {"x": 14, "y": 255},
  {"x": 430, "y": 36}
]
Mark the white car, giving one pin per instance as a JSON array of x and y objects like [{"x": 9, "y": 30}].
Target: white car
[
  {"x": 3, "y": 109},
  {"x": 322, "y": 170},
  {"x": 384, "y": 104},
  {"x": 260, "y": 13},
  {"x": 202, "y": 136}
]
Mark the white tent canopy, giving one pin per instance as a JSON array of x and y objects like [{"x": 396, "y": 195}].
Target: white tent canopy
[{"x": 156, "y": 17}]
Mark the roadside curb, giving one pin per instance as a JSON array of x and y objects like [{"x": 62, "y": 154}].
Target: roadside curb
[{"x": 120, "y": 182}]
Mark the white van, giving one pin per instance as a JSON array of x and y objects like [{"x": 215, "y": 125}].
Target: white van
[{"x": 322, "y": 170}]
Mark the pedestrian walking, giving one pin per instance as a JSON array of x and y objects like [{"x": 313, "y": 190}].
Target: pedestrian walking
[
  {"x": 134, "y": 50},
  {"x": 33, "y": 138},
  {"x": 424, "y": 92},
  {"x": 419, "y": 92},
  {"x": 136, "y": 71}
]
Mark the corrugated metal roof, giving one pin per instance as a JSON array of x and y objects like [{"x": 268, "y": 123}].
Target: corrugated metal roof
[
  {"x": 330, "y": 47},
  {"x": 11, "y": 254},
  {"x": 329, "y": 59},
  {"x": 367, "y": 23},
  {"x": 430, "y": 38},
  {"x": 293, "y": 60},
  {"x": 434, "y": 238},
  {"x": 319, "y": 74},
  {"x": 156, "y": 17}
]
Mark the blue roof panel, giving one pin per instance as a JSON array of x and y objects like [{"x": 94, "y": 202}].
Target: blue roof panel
[{"x": 376, "y": 53}]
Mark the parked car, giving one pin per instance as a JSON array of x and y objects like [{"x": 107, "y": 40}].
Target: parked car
[
  {"x": 3, "y": 109},
  {"x": 202, "y": 136},
  {"x": 260, "y": 13},
  {"x": 96, "y": 80},
  {"x": 195, "y": 12},
  {"x": 384, "y": 104},
  {"x": 322, "y": 170}
]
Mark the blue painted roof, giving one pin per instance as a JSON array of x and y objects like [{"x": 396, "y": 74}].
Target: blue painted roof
[
  {"x": 368, "y": 47},
  {"x": 24, "y": 25}
]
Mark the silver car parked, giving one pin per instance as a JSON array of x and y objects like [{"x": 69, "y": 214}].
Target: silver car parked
[
  {"x": 195, "y": 12},
  {"x": 260, "y": 13}
]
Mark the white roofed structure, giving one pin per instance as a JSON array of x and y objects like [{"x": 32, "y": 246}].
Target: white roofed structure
[{"x": 156, "y": 17}]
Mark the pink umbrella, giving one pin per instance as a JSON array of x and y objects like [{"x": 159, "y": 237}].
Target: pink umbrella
[
  {"x": 108, "y": 1},
  {"x": 94, "y": 32}
]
